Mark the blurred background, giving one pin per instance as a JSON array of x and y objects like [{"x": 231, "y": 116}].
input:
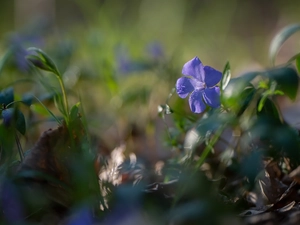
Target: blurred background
[{"x": 121, "y": 59}]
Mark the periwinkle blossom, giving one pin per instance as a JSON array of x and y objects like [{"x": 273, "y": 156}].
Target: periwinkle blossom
[
  {"x": 82, "y": 215},
  {"x": 11, "y": 206},
  {"x": 7, "y": 115},
  {"x": 126, "y": 64},
  {"x": 155, "y": 50},
  {"x": 18, "y": 43},
  {"x": 201, "y": 82}
]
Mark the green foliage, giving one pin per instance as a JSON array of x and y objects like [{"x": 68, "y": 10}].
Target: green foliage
[
  {"x": 59, "y": 104},
  {"x": 279, "y": 39},
  {"x": 298, "y": 63},
  {"x": 11, "y": 116},
  {"x": 41, "y": 60},
  {"x": 267, "y": 107},
  {"x": 286, "y": 79},
  {"x": 239, "y": 92},
  {"x": 15, "y": 118},
  {"x": 7, "y": 96},
  {"x": 211, "y": 159},
  {"x": 226, "y": 77},
  {"x": 43, "y": 110},
  {"x": 248, "y": 129},
  {"x": 74, "y": 111}
]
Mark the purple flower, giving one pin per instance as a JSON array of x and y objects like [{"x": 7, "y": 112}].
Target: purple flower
[
  {"x": 200, "y": 81},
  {"x": 12, "y": 208},
  {"x": 7, "y": 115},
  {"x": 155, "y": 50},
  {"x": 82, "y": 215},
  {"x": 126, "y": 64},
  {"x": 18, "y": 42}
]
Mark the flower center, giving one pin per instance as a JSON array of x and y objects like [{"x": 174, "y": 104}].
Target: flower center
[{"x": 200, "y": 85}]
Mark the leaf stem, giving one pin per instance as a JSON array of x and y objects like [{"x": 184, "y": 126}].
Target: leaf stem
[
  {"x": 21, "y": 153},
  {"x": 64, "y": 95},
  {"x": 57, "y": 120},
  {"x": 209, "y": 146}
]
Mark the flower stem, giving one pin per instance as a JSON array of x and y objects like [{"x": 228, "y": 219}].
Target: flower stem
[
  {"x": 209, "y": 146},
  {"x": 64, "y": 95}
]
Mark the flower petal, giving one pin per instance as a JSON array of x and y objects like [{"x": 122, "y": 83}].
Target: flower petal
[
  {"x": 184, "y": 87},
  {"x": 196, "y": 102},
  {"x": 212, "y": 97},
  {"x": 212, "y": 76},
  {"x": 194, "y": 68}
]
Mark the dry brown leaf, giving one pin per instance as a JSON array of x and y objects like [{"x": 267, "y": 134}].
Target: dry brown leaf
[
  {"x": 295, "y": 174},
  {"x": 286, "y": 208},
  {"x": 271, "y": 188}
]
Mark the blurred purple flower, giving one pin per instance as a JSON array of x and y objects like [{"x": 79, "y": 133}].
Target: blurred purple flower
[
  {"x": 20, "y": 61},
  {"x": 127, "y": 65},
  {"x": 18, "y": 43},
  {"x": 127, "y": 207},
  {"x": 200, "y": 81},
  {"x": 7, "y": 115},
  {"x": 124, "y": 62},
  {"x": 155, "y": 50},
  {"x": 82, "y": 215},
  {"x": 12, "y": 208}
]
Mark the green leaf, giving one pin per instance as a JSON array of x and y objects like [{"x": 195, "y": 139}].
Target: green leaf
[
  {"x": 268, "y": 93},
  {"x": 41, "y": 60},
  {"x": 20, "y": 122},
  {"x": 7, "y": 141},
  {"x": 279, "y": 39},
  {"x": 268, "y": 109},
  {"x": 287, "y": 139},
  {"x": 59, "y": 103},
  {"x": 263, "y": 84},
  {"x": 280, "y": 140},
  {"x": 226, "y": 77},
  {"x": 287, "y": 80},
  {"x": 6, "y": 96},
  {"x": 298, "y": 63},
  {"x": 14, "y": 117},
  {"x": 74, "y": 111},
  {"x": 39, "y": 109},
  {"x": 262, "y": 102},
  {"x": 238, "y": 92},
  {"x": 278, "y": 92},
  {"x": 43, "y": 109}
]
